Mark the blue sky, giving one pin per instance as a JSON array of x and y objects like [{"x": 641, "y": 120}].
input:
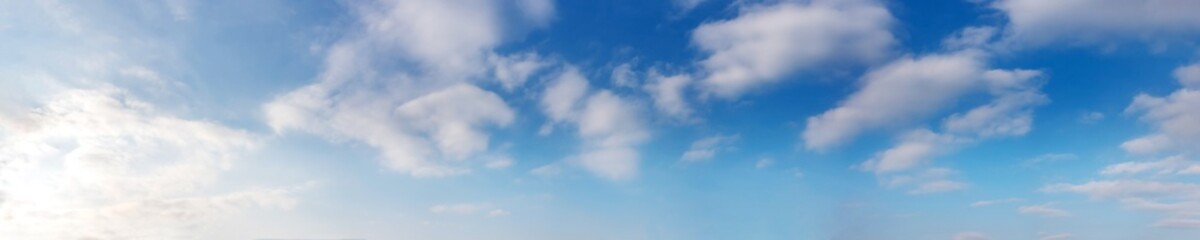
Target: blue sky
[{"x": 542, "y": 119}]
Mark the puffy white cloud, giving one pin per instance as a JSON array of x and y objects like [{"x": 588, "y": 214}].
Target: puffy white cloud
[
  {"x": 411, "y": 134},
  {"x": 669, "y": 95},
  {"x": 909, "y": 90},
  {"x": 513, "y": 71},
  {"x": 611, "y": 128},
  {"x": 396, "y": 82},
  {"x": 970, "y": 236},
  {"x": 101, "y": 164},
  {"x": 562, "y": 99},
  {"x": 765, "y": 43},
  {"x": 1089, "y": 22},
  {"x": 1044, "y": 210},
  {"x": 453, "y": 115},
  {"x": 901, "y": 92},
  {"x": 705, "y": 148},
  {"x": 1176, "y": 119},
  {"x": 1189, "y": 76},
  {"x": 450, "y": 38}
]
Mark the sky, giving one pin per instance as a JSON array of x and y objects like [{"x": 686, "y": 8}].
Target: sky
[{"x": 621, "y": 119}]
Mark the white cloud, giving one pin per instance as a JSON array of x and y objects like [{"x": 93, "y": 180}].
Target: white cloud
[
  {"x": 970, "y": 236},
  {"x": 1049, "y": 158},
  {"x": 970, "y": 37},
  {"x": 450, "y": 38},
  {"x": 611, "y": 128},
  {"x": 1009, "y": 114},
  {"x": 705, "y": 148},
  {"x": 497, "y": 213},
  {"x": 1091, "y": 117},
  {"x": 395, "y": 81},
  {"x": 1122, "y": 189},
  {"x": 669, "y": 95},
  {"x": 765, "y": 43},
  {"x": 986, "y": 203},
  {"x": 1177, "y": 164},
  {"x": 1044, "y": 210},
  {"x": 514, "y": 70},
  {"x": 1094, "y": 22},
  {"x": 898, "y": 93},
  {"x": 937, "y": 186},
  {"x": 452, "y": 117},
  {"x": 932, "y": 180},
  {"x": 562, "y": 99},
  {"x": 915, "y": 148},
  {"x": 468, "y": 209},
  {"x": 499, "y": 162},
  {"x": 548, "y": 170},
  {"x": 624, "y": 76},
  {"x": 100, "y": 163},
  {"x": 1186, "y": 223},
  {"x": 686, "y": 5},
  {"x": 1060, "y": 236},
  {"x": 1189, "y": 76},
  {"x": 1173, "y": 117},
  {"x": 537, "y": 12},
  {"x": 1179, "y": 203},
  {"x": 764, "y": 163},
  {"x": 909, "y": 91}
]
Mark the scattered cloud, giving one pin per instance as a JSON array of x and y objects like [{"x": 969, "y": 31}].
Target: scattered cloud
[
  {"x": 624, "y": 76},
  {"x": 969, "y": 236},
  {"x": 1174, "y": 119},
  {"x": 395, "y": 83},
  {"x": 766, "y": 43},
  {"x": 932, "y": 180},
  {"x": 669, "y": 95},
  {"x": 1188, "y": 76},
  {"x": 1049, "y": 158},
  {"x": 1044, "y": 210},
  {"x": 124, "y": 170},
  {"x": 1090, "y": 117},
  {"x": 467, "y": 209},
  {"x": 1035, "y": 22},
  {"x": 705, "y": 148},
  {"x": 764, "y": 163},
  {"x": 901, "y": 92},
  {"x": 1060, "y": 236},
  {"x": 1177, "y": 164},
  {"x": 610, "y": 126},
  {"x": 986, "y": 203}
]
